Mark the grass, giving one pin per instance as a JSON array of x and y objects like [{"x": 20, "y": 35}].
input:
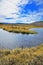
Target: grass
[
  {"x": 19, "y": 56},
  {"x": 18, "y": 28}
]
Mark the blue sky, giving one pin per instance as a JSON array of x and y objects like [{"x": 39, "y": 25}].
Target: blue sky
[{"x": 21, "y": 11}]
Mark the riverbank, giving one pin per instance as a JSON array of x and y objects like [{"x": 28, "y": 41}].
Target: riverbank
[
  {"x": 19, "y": 28},
  {"x": 22, "y": 56}
]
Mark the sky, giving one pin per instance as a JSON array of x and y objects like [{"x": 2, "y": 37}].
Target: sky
[{"x": 21, "y": 11}]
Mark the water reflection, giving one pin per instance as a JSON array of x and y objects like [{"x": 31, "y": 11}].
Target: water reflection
[{"x": 13, "y": 40}]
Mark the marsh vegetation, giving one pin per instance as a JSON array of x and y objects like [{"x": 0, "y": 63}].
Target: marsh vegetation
[
  {"x": 22, "y": 56},
  {"x": 18, "y": 28}
]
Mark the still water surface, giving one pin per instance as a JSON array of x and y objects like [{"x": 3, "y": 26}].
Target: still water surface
[{"x": 14, "y": 40}]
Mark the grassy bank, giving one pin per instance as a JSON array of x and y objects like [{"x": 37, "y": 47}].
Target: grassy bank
[
  {"x": 18, "y": 28},
  {"x": 25, "y": 56}
]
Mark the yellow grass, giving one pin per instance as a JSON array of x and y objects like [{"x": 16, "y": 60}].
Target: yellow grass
[
  {"x": 22, "y": 56},
  {"x": 18, "y": 28}
]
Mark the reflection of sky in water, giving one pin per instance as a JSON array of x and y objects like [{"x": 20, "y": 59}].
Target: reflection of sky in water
[{"x": 13, "y": 40}]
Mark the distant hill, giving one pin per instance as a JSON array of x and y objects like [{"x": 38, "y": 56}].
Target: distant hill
[{"x": 38, "y": 23}]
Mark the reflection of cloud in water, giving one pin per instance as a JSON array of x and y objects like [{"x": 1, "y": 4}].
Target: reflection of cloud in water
[{"x": 13, "y": 40}]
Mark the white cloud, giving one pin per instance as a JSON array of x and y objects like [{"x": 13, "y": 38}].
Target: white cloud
[
  {"x": 32, "y": 17},
  {"x": 7, "y": 7},
  {"x": 28, "y": 19},
  {"x": 23, "y": 2}
]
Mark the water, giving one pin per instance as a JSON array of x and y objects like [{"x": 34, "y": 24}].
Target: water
[{"x": 14, "y": 40}]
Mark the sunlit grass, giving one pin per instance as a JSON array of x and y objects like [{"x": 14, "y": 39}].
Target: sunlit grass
[
  {"x": 22, "y": 56},
  {"x": 24, "y": 29}
]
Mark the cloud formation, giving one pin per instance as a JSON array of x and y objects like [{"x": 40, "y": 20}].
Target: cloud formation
[{"x": 21, "y": 11}]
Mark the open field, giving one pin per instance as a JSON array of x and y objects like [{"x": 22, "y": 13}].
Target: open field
[
  {"x": 19, "y": 28},
  {"x": 22, "y": 56}
]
